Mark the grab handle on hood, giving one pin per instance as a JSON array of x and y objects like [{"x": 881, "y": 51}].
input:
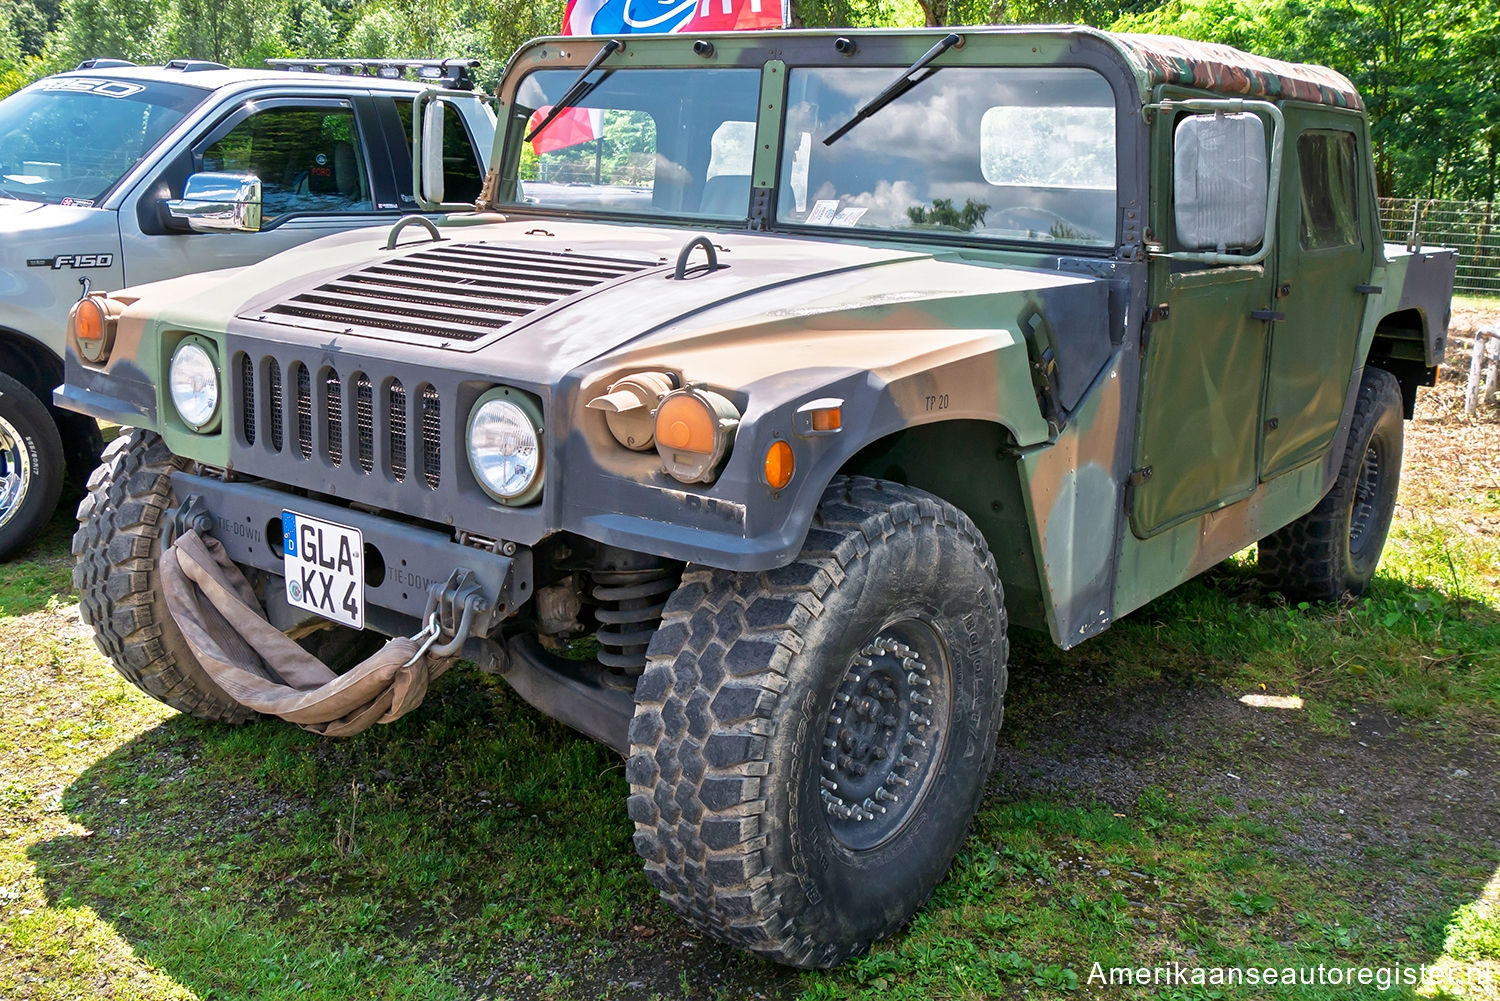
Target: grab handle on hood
[
  {"x": 410, "y": 220},
  {"x": 686, "y": 253}
]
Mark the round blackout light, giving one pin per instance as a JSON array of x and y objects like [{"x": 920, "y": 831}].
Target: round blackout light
[
  {"x": 505, "y": 449},
  {"x": 193, "y": 379}
]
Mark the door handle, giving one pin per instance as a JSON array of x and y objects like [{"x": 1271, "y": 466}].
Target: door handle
[
  {"x": 1368, "y": 289},
  {"x": 1267, "y": 315}
]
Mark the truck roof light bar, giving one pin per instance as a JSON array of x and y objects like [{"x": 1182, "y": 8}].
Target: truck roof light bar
[
  {"x": 450, "y": 73},
  {"x": 103, "y": 63}
]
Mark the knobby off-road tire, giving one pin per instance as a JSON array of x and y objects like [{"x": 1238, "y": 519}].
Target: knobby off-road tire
[
  {"x": 1333, "y": 550},
  {"x": 763, "y": 808},
  {"x": 117, "y": 546},
  {"x": 32, "y": 469}
]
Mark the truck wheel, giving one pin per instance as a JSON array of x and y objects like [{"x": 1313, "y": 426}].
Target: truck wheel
[
  {"x": 1333, "y": 550},
  {"x": 117, "y": 546},
  {"x": 31, "y": 466},
  {"x": 810, "y": 743}
]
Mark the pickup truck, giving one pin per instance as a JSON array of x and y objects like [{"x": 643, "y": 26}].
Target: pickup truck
[
  {"x": 91, "y": 162},
  {"x": 737, "y": 427}
]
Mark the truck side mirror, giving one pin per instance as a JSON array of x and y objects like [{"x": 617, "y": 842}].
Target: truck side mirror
[
  {"x": 431, "y": 147},
  {"x": 1220, "y": 177},
  {"x": 218, "y": 203}
]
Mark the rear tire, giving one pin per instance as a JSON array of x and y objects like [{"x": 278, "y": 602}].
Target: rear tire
[
  {"x": 1333, "y": 550},
  {"x": 31, "y": 466},
  {"x": 810, "y": 743},
  {"x": 118, "y": 547}
]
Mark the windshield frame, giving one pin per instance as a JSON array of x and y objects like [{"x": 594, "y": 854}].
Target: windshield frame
[
  {"x": 775, "y": 53},
  {"x": 183, "y": 99}
]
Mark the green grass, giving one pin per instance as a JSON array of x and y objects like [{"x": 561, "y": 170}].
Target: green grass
[{"x": 1140, "y": 815}]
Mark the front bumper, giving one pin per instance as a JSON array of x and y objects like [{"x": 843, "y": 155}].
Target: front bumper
[{"x": 403, "y": 562}]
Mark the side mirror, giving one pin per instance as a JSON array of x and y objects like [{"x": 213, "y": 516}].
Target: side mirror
[
  {"x": 218, "y": 203},
  {"x": 431, "y": 148},
  {"x": 1220, "y": 180}
]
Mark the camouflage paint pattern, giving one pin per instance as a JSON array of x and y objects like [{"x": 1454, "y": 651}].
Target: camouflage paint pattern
[{"x": 1027, "y": 387}]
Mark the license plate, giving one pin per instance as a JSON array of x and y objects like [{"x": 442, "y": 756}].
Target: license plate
[{"x": 324, "y": 565}]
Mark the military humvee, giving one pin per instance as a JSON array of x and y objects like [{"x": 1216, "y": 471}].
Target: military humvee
[{"x": 773, "y": 377}]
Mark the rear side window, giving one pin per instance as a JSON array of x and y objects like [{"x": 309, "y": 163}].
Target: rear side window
[
  {"x": 307, "y": 159},
  {"x": 462, "y": 178},
  {"x": 1330, "y": 196}
]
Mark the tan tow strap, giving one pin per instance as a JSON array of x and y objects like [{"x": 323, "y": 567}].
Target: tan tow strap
[{"x": 260, "y": 668}]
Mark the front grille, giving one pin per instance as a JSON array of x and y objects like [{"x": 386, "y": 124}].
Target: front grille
[
  {"x": 304, "y": 411},
  {"x": 432, "y": 437},
  {"x": 396, "y": 416},
  {"x": 334, "y": 416},
  {"x": 273, "y": 375},
  {"x": 463, "y": 292},
  {"x": 247, "y": 387},
  {"x": 364, "y": 422},
  {"x": 346, "y": 408}
]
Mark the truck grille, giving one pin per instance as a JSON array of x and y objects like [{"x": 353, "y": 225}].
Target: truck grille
[
  {"x": 464, "y": 292},
  {"x": 329, "y": 402}
]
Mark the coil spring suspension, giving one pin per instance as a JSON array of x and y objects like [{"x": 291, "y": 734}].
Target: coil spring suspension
[{"x": 630, "y": 607}]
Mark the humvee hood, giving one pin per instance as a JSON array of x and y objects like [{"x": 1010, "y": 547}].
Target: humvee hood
[{"x": 533, "y": 301}]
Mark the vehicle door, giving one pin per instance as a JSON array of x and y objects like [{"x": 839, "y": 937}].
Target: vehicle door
[
  {"x": 1324, "y": 250},
  {"x": 320, "y": 170},
  {"x": 1204, "y": 356}
]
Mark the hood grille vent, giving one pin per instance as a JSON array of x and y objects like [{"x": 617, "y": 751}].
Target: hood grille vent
[{"x": 464, "y": 292}]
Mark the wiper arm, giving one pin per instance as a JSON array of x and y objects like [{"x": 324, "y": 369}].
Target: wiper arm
[
  {"x": 580, "y": 88},
  {"x": 906, "y": 81}
]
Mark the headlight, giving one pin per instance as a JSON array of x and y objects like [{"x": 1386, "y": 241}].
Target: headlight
[
  {"x": 193, "y": 378},
  {"x": 694, "y": 429},
  {"x": 505, "y": 449}
]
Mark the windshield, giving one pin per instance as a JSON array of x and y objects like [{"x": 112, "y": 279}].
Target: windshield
[
  {"x": 647, "y": 141},
  {"x": 1012, "y": 154},
  {"x": 69, "y": 139}
]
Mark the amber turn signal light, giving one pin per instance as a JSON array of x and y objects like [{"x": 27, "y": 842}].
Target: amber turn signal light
[
  {"x": 93, "y": 326},
  {"x": 779, "y": 464},
  {"x": 693, "y": 431}
]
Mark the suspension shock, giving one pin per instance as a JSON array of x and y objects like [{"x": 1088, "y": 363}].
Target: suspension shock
[{"x": 630, "y": 602}]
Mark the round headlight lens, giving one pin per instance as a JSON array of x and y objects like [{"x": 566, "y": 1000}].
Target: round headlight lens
[
  {"x": 193, "y": 379},
  {"x": 504, "y": 450}
]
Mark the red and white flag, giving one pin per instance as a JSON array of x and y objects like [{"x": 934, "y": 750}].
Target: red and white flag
[{"x": 633, "y": 17}]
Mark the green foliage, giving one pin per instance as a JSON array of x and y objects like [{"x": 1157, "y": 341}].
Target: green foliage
[
  {"x": 943, "y": 215},
  {"x": 1424, "y": 69}
]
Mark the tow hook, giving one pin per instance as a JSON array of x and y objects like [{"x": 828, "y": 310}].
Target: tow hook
[{"x": 456, "y": 610}]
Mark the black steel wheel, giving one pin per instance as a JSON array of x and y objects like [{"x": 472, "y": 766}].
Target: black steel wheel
[
  {"x": 810, "y": 744},
  {"x": 1333, "y": 550}
]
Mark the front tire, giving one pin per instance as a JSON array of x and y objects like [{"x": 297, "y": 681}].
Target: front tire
[
  {"x": 32, "y": 467},
  {"x": 1333, "y": 550},
  {"x": 810, "y": 743},
  {"x": 118, "y": 548}
]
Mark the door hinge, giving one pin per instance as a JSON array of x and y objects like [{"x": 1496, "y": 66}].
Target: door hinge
[
  {"x": 1283, "y": 290},
  {"x": 1139, "y": 476},
  {"x": 1273, "y": 423}
]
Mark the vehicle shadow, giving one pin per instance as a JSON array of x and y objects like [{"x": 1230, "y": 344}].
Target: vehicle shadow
[{"x": 471, "y": 849}]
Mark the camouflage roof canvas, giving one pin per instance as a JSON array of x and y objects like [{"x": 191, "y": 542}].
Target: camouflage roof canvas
[{"x": 1161, "y": 59}]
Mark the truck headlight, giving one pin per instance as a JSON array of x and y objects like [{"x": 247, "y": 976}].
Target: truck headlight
[
  {"x": 193, "y": 379},
  {"x": 505, "y": 447}
]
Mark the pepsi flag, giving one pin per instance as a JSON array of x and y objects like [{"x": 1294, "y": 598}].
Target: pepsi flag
[{"x": 627, "y": 17}]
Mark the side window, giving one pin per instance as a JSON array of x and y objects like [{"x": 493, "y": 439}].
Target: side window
[
  {"x": 307, "y": 159},
  {"x": 1330, "y": 194},
  {"x": 462, "y": 177}
]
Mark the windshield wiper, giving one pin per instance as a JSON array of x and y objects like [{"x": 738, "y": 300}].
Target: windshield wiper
[
  {"x": 580, "y": 88},
  {"x": 906, "y": 81}
]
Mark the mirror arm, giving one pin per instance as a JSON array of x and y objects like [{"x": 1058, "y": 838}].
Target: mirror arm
[{"x": 1273, "y": 180}]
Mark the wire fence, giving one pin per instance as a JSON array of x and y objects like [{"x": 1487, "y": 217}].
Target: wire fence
[{"x": 1471, "y": 228}]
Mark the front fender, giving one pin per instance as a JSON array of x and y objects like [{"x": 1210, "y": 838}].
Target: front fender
[{"x": 740, "y": 522}]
